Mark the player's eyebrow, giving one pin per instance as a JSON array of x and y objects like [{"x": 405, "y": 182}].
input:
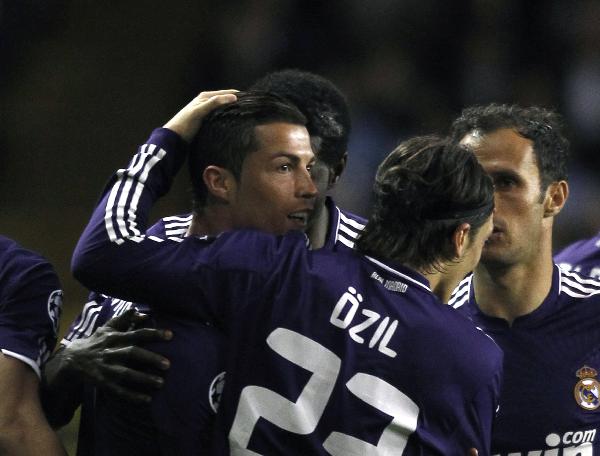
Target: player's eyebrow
[
  {"x": 505, "y": 174},
  {"x": 290, "y": 156}
]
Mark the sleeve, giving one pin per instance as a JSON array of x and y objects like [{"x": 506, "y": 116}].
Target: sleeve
[
  {"x": 112, "y": 252},
  {"x": 114, "y": 257},
  {"x": 96, "y": 311},
  {"x": 88, "y": 320},
  {"x": 30, "y": 309}
]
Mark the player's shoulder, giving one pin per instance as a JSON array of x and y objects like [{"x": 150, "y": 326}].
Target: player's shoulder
[
  {"x": 352, "y": 220},
  {"x": 576, "y": 287},
  {"x": 175, "y": 226},
  {"x": 582, "y": 256},
  {"x": 11, "y": 252},
  {"x": 22, "y": 267},
  {"x": 251, "y": 237},
  {"x": 252, "y": 249},
  {"x": 578, "y": 249},
  {"x": 476, "y": 352},
  {"x": 460, "y": 296},
  {"x": 344, "y": 227},
  {"x": 6, "y": 244}
]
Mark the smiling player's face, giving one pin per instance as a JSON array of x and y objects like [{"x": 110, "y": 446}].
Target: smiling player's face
[{"x": 275, "y": 192}]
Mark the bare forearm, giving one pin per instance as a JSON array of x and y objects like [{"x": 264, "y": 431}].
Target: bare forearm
[
  {"x": 27, "y": 437},
  {"x": 24, "y": 429}
]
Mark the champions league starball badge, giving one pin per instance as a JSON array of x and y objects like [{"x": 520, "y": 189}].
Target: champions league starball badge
[
  {"x": 215, "y": 391},
  {"x": 587, "y": 389}
]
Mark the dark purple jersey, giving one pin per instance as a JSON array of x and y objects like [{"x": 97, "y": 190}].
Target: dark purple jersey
[
  {"x": 328, "y": 353},
  {"x": 581, "y": 256},
  {"x": 30, "y": 305},
  {"x": 184, "y": 409},
  {"x": 182, "y": 412},
  {"x": 550, "y": 397}
]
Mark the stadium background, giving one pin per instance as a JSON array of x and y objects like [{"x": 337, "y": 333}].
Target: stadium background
[{"x": 82, "y": 83}]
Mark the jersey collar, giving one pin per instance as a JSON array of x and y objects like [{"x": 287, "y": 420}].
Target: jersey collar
[{"x": 547, "y": 307}]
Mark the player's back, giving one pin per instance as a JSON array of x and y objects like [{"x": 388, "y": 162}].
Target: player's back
[{"x": 356, "y": 358}]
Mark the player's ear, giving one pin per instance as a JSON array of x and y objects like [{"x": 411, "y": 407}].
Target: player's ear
[
  {"x": 219, "y": 182},
  {"x": 337, "y": 170},
  {"x": 460, "y": 239},
  {"x": 556, "y": 197}
]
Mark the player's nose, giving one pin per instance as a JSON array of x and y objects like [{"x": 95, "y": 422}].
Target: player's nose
[{"x": 306, "y": 186}]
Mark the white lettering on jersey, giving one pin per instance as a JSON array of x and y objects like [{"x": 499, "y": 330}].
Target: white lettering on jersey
[
  {"x": 377, "y": 277},
  {"x": 303, "y": 416},
  {"x": 396, "y": 285},
  {"x": 582, "y": 442},
  {"x": 349, "y": 303}
]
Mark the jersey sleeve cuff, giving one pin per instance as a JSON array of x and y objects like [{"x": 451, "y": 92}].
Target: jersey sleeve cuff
[
  {"x": 168, "y": 139},
  {"x": 31, "y": 363}
]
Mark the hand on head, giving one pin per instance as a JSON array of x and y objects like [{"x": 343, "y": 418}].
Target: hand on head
[{"x": 187, "y": 121}]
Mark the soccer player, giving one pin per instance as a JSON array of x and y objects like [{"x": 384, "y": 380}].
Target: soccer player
[
  {"x": 545, "y": 319},
  {"x": 582, "y": 257},
  {"x": 254, "y": 172},
  {"x": 30, "y": 304},
  {"x": 328, "y": 353},
  {"x": 328, "y": 227},
  {"x": 328, "y": 124}
]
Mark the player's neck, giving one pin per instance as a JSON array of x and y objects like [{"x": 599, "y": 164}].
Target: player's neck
[
  {"x": 442, "y": 284},
  {"x": 317, "y": 232},
  {"x": 211, "y": 221},
  {"x": 511, "y": 291}
]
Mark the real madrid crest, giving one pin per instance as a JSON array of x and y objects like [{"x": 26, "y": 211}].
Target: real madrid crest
[{"x": 587, "y": 389}]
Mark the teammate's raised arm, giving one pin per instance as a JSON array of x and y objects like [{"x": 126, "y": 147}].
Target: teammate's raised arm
[{"x": 265, "y": 128}]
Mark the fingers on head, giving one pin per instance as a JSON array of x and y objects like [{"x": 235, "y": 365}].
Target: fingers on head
[{"x": 219, "y": 97}]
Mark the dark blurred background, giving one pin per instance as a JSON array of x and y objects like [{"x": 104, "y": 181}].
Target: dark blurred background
[{"x": 82, "y": 83}]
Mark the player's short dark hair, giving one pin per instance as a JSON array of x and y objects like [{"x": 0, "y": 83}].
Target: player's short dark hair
[
  {"x": 323, "y": 104},
  {"x": 227, "y": 135},
  {"x": 424, "y": 189},
  {"x": 542, "y": 126}
]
